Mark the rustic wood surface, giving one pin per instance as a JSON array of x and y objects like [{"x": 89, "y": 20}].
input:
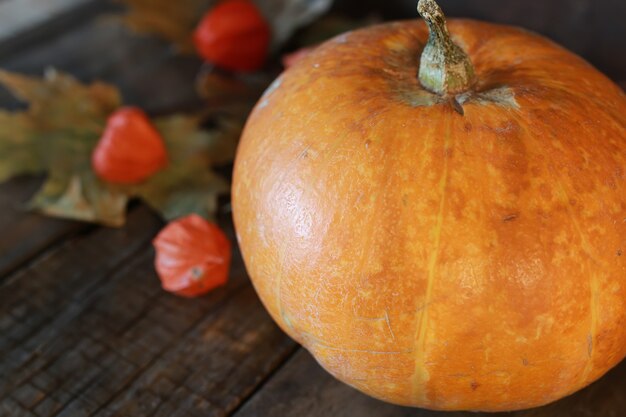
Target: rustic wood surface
[
  {"x": 302, "y": 388},
  {"x": 85, "y": 329}
]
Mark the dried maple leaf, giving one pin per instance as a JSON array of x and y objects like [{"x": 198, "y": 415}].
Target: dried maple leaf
[
  {"x": 58, "y": 132},
  {"x": 56, "y": 135},
  {"x": 186, "y": 185},
  {"x": 16, "y": 140},
  {"x": 82, "y": 197}
]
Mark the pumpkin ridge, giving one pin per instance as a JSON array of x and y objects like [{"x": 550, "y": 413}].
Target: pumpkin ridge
[
  {"x": 293, "y": 166},
  {"x": 325, "y": 159},
  {"x": 279, "y": 293},
  {"x": 580, "y": 99},
  {"x": 593, "y": 279},
  {"x": 610, "y": 115},
  {"x": 420, "y": 375},
  {"x": 377, "y": 207}
]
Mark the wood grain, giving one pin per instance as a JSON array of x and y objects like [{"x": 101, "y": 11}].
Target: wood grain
[
  {"x": 303, "y": 388},
  {"x": 38, "y": 300},
  {"x": 87, "y": 330},
  {"x": 24, "y": 234}
]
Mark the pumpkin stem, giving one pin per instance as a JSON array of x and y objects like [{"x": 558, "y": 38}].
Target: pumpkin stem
[{"x": 445, "y": 69}]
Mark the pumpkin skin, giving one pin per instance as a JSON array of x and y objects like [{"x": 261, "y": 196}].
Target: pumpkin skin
[{"x": 430, "y": 259}]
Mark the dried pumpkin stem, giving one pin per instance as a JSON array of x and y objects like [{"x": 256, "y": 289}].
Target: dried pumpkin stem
[{"x": 445, "y": 69}]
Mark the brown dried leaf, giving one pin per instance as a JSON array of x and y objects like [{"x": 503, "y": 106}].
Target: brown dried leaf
[
  {"x": 187, "y": 185},
  {"x": 57, "y": 133},
  {"x": 82, "y": 197}
]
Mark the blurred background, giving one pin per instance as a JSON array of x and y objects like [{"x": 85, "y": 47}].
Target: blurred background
[{"x": 594, "y": 29}]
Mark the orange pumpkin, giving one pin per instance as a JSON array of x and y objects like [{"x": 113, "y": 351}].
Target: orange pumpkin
[{"x": 461, "y": 247}]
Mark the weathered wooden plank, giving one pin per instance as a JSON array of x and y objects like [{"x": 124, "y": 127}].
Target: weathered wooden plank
[
  {"x": 38, "y": 303},
  {"x": 211, "y": 369},
  {"x": 39, "y": 300},
  {"x": 303, "y": 388},
  {"x": 24, "y": 234},
  {"x": 87, "y": 330}
]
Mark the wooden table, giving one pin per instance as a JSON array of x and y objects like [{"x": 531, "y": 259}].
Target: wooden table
[{"x": 85, "y": 329}]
